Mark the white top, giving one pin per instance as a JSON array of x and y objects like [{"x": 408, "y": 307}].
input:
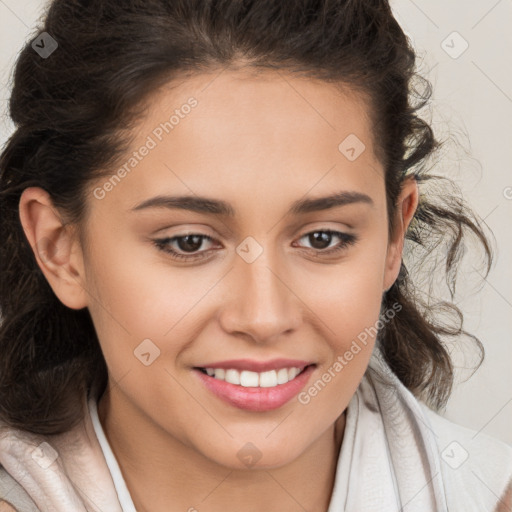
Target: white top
[
  {"x": 123, "y": 494},
  {"x": 396, "y": 454}
]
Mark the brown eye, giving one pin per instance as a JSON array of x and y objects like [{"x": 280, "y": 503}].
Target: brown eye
[
  {"x": 189, "y": 243},
  {"x": 321, "y": 240},
  {"x": 186, "y": 247}
]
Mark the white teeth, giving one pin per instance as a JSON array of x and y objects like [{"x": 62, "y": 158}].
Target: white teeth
[
  {"x": 292, "y": 373},
  {"x": 232, "y": 376},
  {"x": 268, "y": 379},
  {"x": 282, "y": 376},
  {"x": 219, "y": 373},
  {"x": 250, "y": 379}
]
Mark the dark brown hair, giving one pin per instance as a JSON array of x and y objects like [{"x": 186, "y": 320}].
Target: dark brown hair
[{"x": 71, "y": 111}]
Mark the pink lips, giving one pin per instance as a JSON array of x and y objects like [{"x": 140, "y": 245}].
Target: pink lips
[{"x": 256, "y": 398}]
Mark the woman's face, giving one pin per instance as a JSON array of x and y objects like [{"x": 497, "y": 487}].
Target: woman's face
[{"x": 250, "y": 162}]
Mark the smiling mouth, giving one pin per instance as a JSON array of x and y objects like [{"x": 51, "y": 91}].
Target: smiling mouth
[
  {"x": 250, "y": 379},
  {"x": 255, "y": 391}
]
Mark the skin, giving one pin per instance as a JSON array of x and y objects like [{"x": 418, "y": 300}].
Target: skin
[{"x": 259, "y": 142}]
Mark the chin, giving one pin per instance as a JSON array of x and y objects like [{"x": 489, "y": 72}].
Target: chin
[{"x": 253, "y": 456}]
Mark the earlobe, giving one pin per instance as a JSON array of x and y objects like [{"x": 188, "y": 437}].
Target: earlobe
[
  {"x": 54, "y": 246},
  {"x": 406, "y": 207}
]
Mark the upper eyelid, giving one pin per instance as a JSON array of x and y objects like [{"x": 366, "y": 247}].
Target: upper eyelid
[
  {"x": 213, "y": 240},
  {"x": 347, "y": 229}
]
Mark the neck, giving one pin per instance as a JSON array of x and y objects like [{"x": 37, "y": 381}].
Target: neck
[{"x": 162, "y": 470}]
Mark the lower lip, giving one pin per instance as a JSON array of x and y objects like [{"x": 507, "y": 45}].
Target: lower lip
[{"x": 252, "y": 398}]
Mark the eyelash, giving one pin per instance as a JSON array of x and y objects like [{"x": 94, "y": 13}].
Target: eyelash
[{"x": 163, "y": 244}]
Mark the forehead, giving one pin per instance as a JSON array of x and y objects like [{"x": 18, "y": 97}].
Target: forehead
[
  {"x": 237, "y": 132},
  {"x": 258, "y": 105}
]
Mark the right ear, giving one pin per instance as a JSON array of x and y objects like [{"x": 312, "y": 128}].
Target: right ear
[{"x": 56, "y": 249}]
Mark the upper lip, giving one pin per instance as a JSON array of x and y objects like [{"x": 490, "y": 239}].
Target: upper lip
[{"x": 257, "y": 366}]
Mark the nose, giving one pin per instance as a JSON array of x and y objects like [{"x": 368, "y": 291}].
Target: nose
[{"x": 262, "y": 303}]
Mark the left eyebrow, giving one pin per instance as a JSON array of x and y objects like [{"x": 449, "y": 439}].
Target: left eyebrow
[
  {"x": 325, "y": 203},
  {"x": 219, "y": 207}
]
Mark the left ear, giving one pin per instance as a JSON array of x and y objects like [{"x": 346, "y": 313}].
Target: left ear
[{"x": 406, "y": 205}]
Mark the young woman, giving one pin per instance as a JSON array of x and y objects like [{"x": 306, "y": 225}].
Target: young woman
[{"x": 205, "y": 304}]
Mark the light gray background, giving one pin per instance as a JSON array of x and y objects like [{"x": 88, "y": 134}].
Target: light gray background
[{"x": 472, "y": 104}]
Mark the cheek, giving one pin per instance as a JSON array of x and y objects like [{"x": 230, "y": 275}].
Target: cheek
[
  {"x": 140, "y": 294},
  {"x": 348, "y": 310},
  {"x": 347, "y": 301},
  {"x": 347, "y": 297}
]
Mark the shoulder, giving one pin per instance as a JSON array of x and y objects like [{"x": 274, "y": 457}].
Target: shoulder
[
  {"x": 13, "y": 497},
  {"x": 473, "y": 463}
]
